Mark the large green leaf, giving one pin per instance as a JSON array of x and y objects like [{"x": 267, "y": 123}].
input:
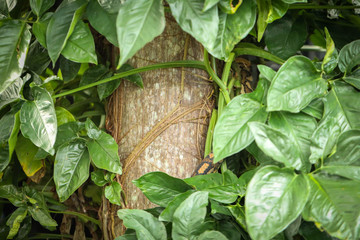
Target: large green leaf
[
  {"x": 350, "y": 172},
  {"x": 15, "y": 220},
  {"x": 68, "y": 132},
  {"x": 69, "y": 69},
  {"x": 138, "y": 22},
  {"x": 71, "y": 168},
  {"x": 147, "y": 227},
  {"x": 168, "y": 213},
  {"x": 113, "y": 193},
  {"x": 238, "y": 212},
  {"x": 297, "y": 79},
  {"x": 231, "y": 133},
  {"x": 299, "y": 128},
  {"x": 233, "y": 28},
  {"x": 42, "y": 216},
  {"x": 63, "y": 116},
  {"x": 279, "y": 146},
  {"x": 334, "y": 205},
  {"x": 286, "y": 36},
  {"x": 349, "y": 56},
  {"x": 341, "y": 111},
  {"x": 38, "y": 120},
  {"x": 39, "y": 28},
  {"x": 275, "y": 197},
  {"x": 12, "y": 92},
  {"x": 102, "y": 21},
  {"x": 62, "y": 25},
  {"x": 203, "y": 26},
  {"x": 264, "y": 9},
  {"x": 353, "y": 78},
  {"x": 208, "y": 4},
  {"x": 80, "y": 47},
  {"x": 161, "y": 188},
  {"x": 315, "y": 108},
  {"x": 278, "y": 9},
  {"x": 39, "y": 7},
  {"x": 11, "y": 193},
  {"x": 14, "y": 42},
  {"x": 189, "y": 216}
]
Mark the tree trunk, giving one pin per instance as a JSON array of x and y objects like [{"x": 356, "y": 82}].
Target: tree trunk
[{"x": 163, "y": 126}]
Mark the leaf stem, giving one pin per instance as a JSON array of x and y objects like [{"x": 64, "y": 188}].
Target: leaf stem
[
  {"x": 216, "y": 79},
  {"x": 250, "y": 49},
  {"x": 80, "y": 215},
  {"x": 175, "y": 64},
  {"x": 224, "y": 78},
  {"x": 312, "y": 6}
]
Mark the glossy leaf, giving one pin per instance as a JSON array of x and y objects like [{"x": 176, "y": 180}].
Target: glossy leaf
[
  {"x": 208, "y": 4},
  {"x": 286, "y": 36},
  {"x": 94, "y": 74},
  {"x": 275, "y": 197},
  {"x": 103, "y": 21},
  {"x": 37, "y": 59},
  {"x": 350, "y": 172},
  {"x": 39, "y": 7},
  {"x": 15, "y": 220},
  {"x": 63, "y": 116},
  {"x": 111, "y": 6},
  {"x": 315, "y": 108},
  {"x": 26, "y": 151},
  {"x": 71, "y": 168},
  {"x": 260, "y": 156},
  {"x": 62, "y": 25},
  {"x": 278, "y": 146},
  {"x": 161, "y": 188},
  {"x": 138, "y": 22},
  {"x": 38, "y": 119},
  {"x": 203, "y": 26},
  {"x": 69, "y": 69},
  {"x": 231, "y": 133},
  {"x": 299, "y": 128},
  {"x": 147, "y": 227},
  {"x": 229, "y": 6},
  {"x": 353, "y": 78},
  {"x": 331, "y": 57},
  {"x": 233, "y": 28},
  {"x": 168, "y": 212},
  {"x": 14, "y": 42},
  {"x": 80, "y": 46},
  {"x": 212, "y": 235},
  {"x": 92, "y": 130},
  {"x": 11, "y": 93},
  {"x": 264, "y": 7},
  {"x": 42, "y": 216},
  {"x": 189, "y": 216},
  {"x": 11, "y": 193},
  {"x": 113, "y": 193},
  {"x": 349, "y": 56},
  {"x": 98, "y": 177},
  {"x": 277, "y": 10},
  {"x": 238, "y": 212},
  {"x": 310, "y": 232},
  {"x": 68, "y": 132},
  {"x": 266, "y": 72},
  {"x": 39, "y": 28},
  {"x": 295, "y": 85},
  {"x": 334, "y": 206}
]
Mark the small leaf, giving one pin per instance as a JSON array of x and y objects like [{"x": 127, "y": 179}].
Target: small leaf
[
  {"x": 37, "y": 59},
  {"x": 39, "y": 7},
  {"x": 63, "y": 116},
  {"x": 113, "y": 193},
  {"x": 189, "y": 216},
  {"x": 15, "y": 220},
  {"x": 147, "y": 22},
  {"x": 98, "y": 177},
  {"x": 11, "y": 193},
  {"x": 71, "y": 168},
  {"x": 68, "y": 132},
  {"x": 161, "y": 188},
  {"x": 14, "y": 43},
  {"x": 69, "y": 69},
  {"x": 331, "y": 57},
  {"x": 80, "y": 46},
  {"x": 273, "y": 201},
  {"x": 349, "y": 56},
  {"x": 353, "y": 78},
  {"x": 230, "y": 6},
  {"x": 38, "y": 119},
  {"x": 297, "y": 79},
  {"x": 39, "y": 28},
  {"x": 147, "y": 227},
  {"x": 62, "y": 25},
  {"x": 12, "y": 93},
  {"x": 42, "y": 216},
  {"x": 267, "y": 72}
]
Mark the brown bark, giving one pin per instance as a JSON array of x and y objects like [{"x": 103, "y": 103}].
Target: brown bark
[{"x": 163, "y": 126}]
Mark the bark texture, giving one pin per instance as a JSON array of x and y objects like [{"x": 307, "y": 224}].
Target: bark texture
[{"x": 163, "y": 126}]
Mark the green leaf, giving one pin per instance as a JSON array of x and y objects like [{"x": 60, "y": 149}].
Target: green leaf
[
  {"x": 39, "y": 28},
  {"x": 212, "y": 235},
  {"x": 294, "y": 1},
  {"x": 297, "y": 79},
  {"x": 39, "y": 7},
  {"x": 12, "y": 93},
  {"x": 11, "y": 193},
  {"x": 147, "y": 22},
  {"x": 233, "y": 28},
  {"x": 42, "y": 216},
  {"x": 341, "y": 111},
  {"x": 94, "y": 74},
  {"x": 69, "y": 69},
  {"x": 92, "y": 131},
  {"x": 168, "y": 212},
  {"x": 14, "y": 43},
  {"x": 71, "y": 168},
  {"x": 353, "y": 78},
  {"x": 38, "y": 119},
  {"x": 104, "y": 153},
  {"x": 189, "y": 216},
  {"x": 278, "y": 146},
  {"x": 315, "y": 108},
  {"x": 68, "y": 132},
  {"x": 231, "y": 133},
  {"x": 208, "y": 4},
  {"x": 25, "y": 152},
  {"x": 331, "y": 57},
  {"x": 111, "y": 6},
  {"x": 98, "y": 177},
  {"x": 38, "y": 59},
  {"x": 63, "y": 116},
  {"x": 299, "y": 128},
  {"x": 230, "y": 6},
  {"x": 278, "y": 9},
  {"x": 334, "y": 206},
  {"x": 286, "y": 36},
  {"x": 62, "y": 25},
  {"x": 15, "y": 220},
  {"x": 264, "y": 9},
  {"x": 350, "y": 172},
  {"x": 349, "y": 56},
  {"x": 161, "y": 188},
  {"x": 266, "y": 72},
  {"x": 310, "y": 232},
  {"x": 80, "y": 46},
  {"x": 147, "y": 227},
  {"x": 260, "y": 156},
  {"x": 273, "y": 201},
  {"x": 134, "y": 78},
  {"x": 102, "y": 21},
  {"x": 203, "y": 26},
  {"x": 113, "y": 193},
  {"x": 238, "y": 212}
]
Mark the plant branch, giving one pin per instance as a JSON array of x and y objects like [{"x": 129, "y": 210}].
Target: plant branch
[
  {"x": 312, "y": 6},
  {"x": 224, "y": 78},
  {"x": 250, "y": 49},
  {"x": 80, "y": 215}
]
